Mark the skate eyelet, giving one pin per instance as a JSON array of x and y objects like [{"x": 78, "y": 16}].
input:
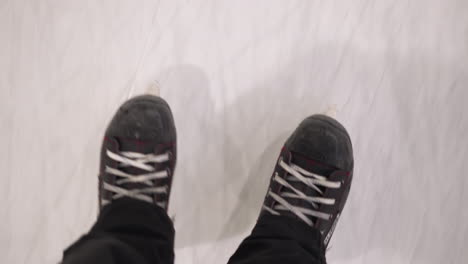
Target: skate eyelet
[
  {"x": 169, "y": 154},
  {"x": 168, "y": 170},
  {"x": 280, "y": 159},
  {"x": 276, "y": 174}
]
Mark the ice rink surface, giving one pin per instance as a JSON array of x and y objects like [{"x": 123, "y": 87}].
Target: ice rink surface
[{"x": 239, "y": 75}]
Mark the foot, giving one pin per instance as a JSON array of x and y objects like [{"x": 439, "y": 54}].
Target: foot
[
  {"x": 138, "y": 154},
  {"x": 313, "y": 175}
]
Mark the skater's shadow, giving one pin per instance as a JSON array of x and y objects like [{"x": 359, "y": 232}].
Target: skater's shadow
[{"x": 227, "y": 150}]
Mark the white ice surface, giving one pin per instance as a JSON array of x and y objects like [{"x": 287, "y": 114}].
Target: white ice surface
[{"x": 239, "y": 76}]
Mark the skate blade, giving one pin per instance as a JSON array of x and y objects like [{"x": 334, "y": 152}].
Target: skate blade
[
  {"x": 331, "y": 111},
  {"x": 154, "y": 89}
]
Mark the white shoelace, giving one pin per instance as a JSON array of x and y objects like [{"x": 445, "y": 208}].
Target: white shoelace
[
  {"x": 137, "y": 160},
  {"x": 296, "y": 173}
]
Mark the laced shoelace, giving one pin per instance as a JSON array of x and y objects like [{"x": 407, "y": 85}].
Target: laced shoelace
[
  {"x": 137, "y": 160},
  {"x": 296, "y": 173}
]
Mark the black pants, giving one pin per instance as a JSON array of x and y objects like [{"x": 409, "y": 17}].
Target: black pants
[{"x": 131, "y": 231}]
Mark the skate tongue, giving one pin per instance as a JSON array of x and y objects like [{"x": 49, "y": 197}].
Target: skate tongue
[
  {"x": 135, "y": 145},
  {"x": 139, "y": 146},
  {"x": 312, "y": 165}
]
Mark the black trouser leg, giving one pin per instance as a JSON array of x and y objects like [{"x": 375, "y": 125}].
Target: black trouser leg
[
  {"x": 278, "y": 239},
  {"x": 127, "y": 231}
]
